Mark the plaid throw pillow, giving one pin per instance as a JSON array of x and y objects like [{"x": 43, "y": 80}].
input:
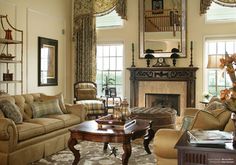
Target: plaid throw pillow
[
  {"x": 49, "y": 107},
  {"x": 60, "y": 98}
]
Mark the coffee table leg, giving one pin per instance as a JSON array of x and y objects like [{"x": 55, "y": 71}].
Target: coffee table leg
[
  {"x": 71, "y": 144},
  {"x": 105, "y": 146},
  {"x": 127, "y": 152},
  {"x": 147, "y": 138}
]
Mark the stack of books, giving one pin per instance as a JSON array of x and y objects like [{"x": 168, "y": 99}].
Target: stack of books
[{"x": 209, "y": 137}]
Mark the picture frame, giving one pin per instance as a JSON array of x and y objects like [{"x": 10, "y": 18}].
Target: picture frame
[
  {"x": 47, "y": 62},
  {"x": 112, "y": 92},
  {"x": 157, "y": 5}
]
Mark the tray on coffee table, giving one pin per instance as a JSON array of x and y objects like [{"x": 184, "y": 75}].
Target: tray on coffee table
[{"x": 110, "y": 120}]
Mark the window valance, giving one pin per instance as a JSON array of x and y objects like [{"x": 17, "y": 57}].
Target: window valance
[
  {"x": 205, "y": 4},
  {"x": 95, "y": 8}
]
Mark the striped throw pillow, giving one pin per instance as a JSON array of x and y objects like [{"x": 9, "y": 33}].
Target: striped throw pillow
[{"x": 49, "y": 107}]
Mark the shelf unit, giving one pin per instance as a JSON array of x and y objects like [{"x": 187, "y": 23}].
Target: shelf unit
[{"x": 11, "y": 57}]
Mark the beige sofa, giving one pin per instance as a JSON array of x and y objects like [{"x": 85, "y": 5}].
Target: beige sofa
[
  {"x": 35, "y": 138},
  {"x": 165, "y": 139}
]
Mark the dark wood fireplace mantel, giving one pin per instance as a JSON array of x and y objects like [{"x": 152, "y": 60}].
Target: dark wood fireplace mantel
[{"x": 187, "y": 74}]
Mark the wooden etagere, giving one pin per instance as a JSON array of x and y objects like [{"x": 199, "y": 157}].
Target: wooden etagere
[{"x": 11, "y": 57}]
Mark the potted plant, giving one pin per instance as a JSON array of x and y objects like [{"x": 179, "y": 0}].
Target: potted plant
[{"x": 105, "y": 86}]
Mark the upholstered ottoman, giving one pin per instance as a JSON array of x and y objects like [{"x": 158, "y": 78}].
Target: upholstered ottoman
[{"x": 161, "y": 117}]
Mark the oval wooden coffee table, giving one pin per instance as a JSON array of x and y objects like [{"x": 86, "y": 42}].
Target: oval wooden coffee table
[{"x": 89, "y": 131}]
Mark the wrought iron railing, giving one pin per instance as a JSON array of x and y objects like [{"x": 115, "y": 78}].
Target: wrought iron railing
[{"x": 162, "y": 20}]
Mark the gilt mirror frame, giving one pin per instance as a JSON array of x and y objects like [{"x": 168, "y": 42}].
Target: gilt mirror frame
[
  {"x": 47, "y": 62},
  {"x": 183, "y": 30}
]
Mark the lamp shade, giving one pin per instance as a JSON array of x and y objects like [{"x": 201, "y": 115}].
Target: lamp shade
[{"x": 214, "y": 61}]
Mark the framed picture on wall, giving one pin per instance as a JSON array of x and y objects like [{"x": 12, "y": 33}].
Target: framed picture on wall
[
  {"x": 47, "y": 62},
  {"x": 157, "y": 6},
  {"x": 112, "y": 92}
]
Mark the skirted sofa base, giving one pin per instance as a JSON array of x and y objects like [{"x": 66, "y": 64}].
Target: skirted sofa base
[{"x": 35, "y": 138}]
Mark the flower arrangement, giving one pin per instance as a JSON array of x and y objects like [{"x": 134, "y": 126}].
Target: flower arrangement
[{"x": 228, "y": 96}]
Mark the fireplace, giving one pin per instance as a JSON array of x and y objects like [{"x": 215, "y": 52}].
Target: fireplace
[
  {"x": 167, "y": 80},
  {"x": 163, "y": 101}
]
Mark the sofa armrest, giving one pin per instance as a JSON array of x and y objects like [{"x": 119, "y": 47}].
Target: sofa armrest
[
  {"x": 164, "y": 143},
  {"x": 78, "y": 110},
  {"x": 8, "y": 135}
]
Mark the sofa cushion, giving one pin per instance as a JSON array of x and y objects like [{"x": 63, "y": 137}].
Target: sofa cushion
[
  {"x": 60, "y": 98},
  {"x": 29, "y": 130},
  {"x": 49, "y": 107},
  {"x": 86, "y": 94},
  {"x": 67, "y": 119},
  {"x": 48, "y": 124},
  {"x": 11, "y": 111}
]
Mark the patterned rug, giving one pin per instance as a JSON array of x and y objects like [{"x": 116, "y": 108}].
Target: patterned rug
[{"x": 92, "y": 154}]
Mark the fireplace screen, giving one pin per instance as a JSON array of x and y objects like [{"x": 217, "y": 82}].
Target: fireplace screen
[{"x": 163, "y": 101}]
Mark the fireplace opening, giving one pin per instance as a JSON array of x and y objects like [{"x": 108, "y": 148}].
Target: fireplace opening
[{"x": 163, "y": 101}]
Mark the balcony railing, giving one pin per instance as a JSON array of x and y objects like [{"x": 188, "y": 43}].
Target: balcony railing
[{"x": 162, "y": 20}]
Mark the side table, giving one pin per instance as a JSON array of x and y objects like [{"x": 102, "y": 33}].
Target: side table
[{"x": 192, "y": 155}]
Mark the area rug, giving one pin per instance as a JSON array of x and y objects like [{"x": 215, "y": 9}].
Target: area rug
[{"x": 92, "y": 154}]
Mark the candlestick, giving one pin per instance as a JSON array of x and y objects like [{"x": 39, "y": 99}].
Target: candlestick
[
  {"x": 191, "y": 54},
  {"x": 132, "y": 55}
]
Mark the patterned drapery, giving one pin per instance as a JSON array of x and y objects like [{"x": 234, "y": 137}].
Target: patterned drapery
[
  {"x": 85, "y": 61},
  {"x": 84, "y": 33},
  {"x": 205, "y": 4}
]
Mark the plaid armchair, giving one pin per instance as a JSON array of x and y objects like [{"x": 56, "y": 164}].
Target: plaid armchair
[{"x": 85, "y": 92}]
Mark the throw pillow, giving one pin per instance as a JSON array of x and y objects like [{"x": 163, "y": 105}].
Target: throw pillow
[
  {"x": 49, "y": 107},
  {"x": 214, "y": 105},
  {"x": 214, "y": 98},
  {"x": 11, "y": 111},
  {"x": 205, "y": 120},
  {"x": 60, "y": 98}
]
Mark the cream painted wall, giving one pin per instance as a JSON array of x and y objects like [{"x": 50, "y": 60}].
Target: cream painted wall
[
  {"x": 197, "y": 29},
  {"x": 45, "y": 18}
]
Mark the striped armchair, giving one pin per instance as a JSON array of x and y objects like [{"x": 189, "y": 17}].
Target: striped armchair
[{"x": 85, "y": 92}]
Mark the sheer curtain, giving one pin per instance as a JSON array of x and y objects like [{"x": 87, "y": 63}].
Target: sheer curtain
[{"x": 84, "y": 33}]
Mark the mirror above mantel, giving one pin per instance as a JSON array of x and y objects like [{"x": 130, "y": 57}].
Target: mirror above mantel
[{"x": 162, "y": 27}]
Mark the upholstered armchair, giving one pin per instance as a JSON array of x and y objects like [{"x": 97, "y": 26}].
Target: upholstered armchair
[
  {"x": 85, "y": 92},
  {"x": 165, "y": 139}
]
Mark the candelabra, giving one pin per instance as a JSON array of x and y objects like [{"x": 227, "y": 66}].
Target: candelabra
[
  {"x": 191, "y": 54},
  {"x": 132, "y": 55}
]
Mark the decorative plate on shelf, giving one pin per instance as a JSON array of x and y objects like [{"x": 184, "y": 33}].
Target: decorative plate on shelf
[{"x": 6, "y": 57}]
